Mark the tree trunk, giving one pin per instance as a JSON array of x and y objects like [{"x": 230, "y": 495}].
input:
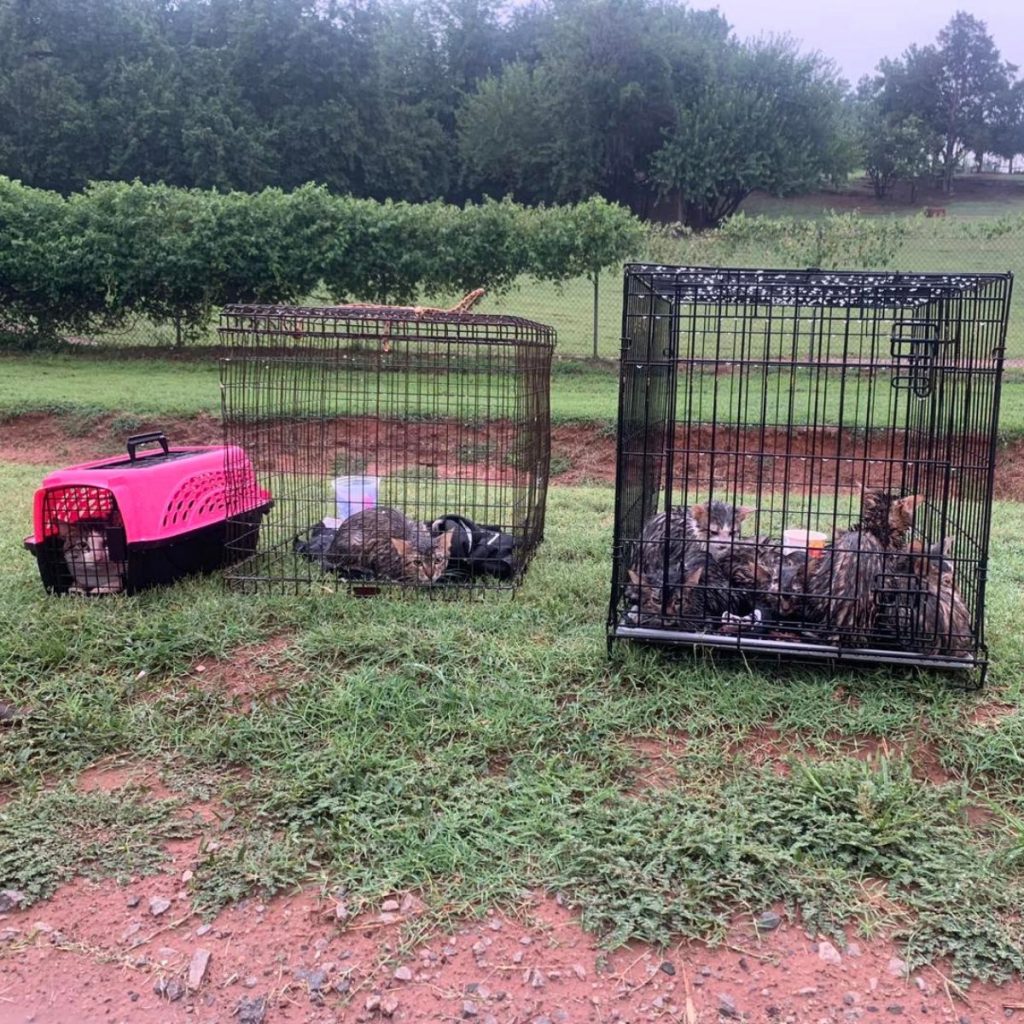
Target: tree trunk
[{"x": 597, "y": 274}]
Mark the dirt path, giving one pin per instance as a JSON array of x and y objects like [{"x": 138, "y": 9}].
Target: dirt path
[
  {"x": 582, "y": 453},
  {"x": 96, "y": 953}
]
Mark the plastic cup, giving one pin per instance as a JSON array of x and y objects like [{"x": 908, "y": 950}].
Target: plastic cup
[
  {"x": 810, "y": 541},
  {"x": 353, "y": 494}
]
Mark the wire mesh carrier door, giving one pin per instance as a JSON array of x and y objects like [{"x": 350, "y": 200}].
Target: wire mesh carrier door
[
  {"x": 806, "y": 461},
  {"x": 402, "y": 447}
]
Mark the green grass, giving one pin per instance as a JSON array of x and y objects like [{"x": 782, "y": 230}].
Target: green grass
[
  {"x": 64, "y": 384},
  {"x": 476, "y": 750}
]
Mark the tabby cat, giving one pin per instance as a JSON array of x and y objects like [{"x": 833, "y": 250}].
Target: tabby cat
[
  {"x": 88, "y": 557},
  {"x": 391, "y": 546},
  {"x": 674, "y": 577},
  {"x": 842, "y": 585},
  {"x": 940, "y": 623}
]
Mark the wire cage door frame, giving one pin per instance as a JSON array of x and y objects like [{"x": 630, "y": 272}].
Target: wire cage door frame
[
  {"x": 806, "y": 461},
  {"x": 403, "y": 448}
]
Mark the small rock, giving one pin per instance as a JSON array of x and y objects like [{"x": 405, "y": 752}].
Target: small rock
[
  {"x": 526, "y": 941},
  {"x": 204, "y": 929},
  {"x": 580, "y": 971},
  {"x": 469, "y": 1009},
  {"x": 897, "y": 967},
  {"x": 132, "y": 902},
  {"x": 479, "y": 948},
  {"x": 403, "y": 973},
  {"x": 171, "y": 989},
  {"x": 853, "y": 949},
  {"x": 391, "y": 906},
  {"x": 186, "y": 877},
  {"x": 197, "y": 967},
  {"x": 727, "y": 1006},
  {"x": 9, "y": 934},
  {"x": 158, "y": 905},
  {"x": 667, "y": 968},
  {"x": 850, "y": 999},
  {"x": 495, "y": 925},
  {"x": 251, "y": 982},
  {"x": 517, "y": 956},
  {"x": 536, "y": 978},
  {"x": 922, "y": 985},
  {"x": 252, "y": 1011},
  {"x": 768, "y": 921},
  {"x": 388, "y": 1006},
  {"x": 372, "y": 1002},
  {"x": 827, "y": 953},
  {"x": 412, "y": 905},
  {"x": 809, "y": 991},
  {"x": 340, "y": 912},
  {"x": 448, "y": 951},
  {"x": 315, "y": 979},
  {"x": 133, "y": 929},
  {"x": 895, "y": 1009},
  {"x": 342, "y": 985},
  {"x": 10, "y": 899}
]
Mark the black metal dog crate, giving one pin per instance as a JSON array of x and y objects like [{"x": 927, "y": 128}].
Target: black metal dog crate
[
  {"x": 806, "y": 462},
  {"x": 404, "y": 447}
]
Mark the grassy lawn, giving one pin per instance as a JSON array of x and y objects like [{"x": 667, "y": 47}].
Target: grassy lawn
[{"x": 473, "y": 751}]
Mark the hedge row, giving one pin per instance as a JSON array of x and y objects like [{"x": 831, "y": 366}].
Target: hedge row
[{"x": 119, "y": 250}]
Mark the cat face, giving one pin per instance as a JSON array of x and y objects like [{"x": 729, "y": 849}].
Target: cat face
[
  {"x": 85, "y": 544},
  {"x": 718, "y": 522},
  {"x": 424, "y": 566}
]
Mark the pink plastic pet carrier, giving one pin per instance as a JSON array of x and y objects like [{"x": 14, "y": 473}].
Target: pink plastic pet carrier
[{"x": 121, "y": 525}]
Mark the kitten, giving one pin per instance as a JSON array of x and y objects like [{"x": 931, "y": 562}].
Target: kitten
[
  {"x": 88, "y": 557},
  {"x": 674, "y": 579},
  {"x": 391, "y": 546},
  {"x": 940, "y": 622},
  {"x": 841, "y": 587}
]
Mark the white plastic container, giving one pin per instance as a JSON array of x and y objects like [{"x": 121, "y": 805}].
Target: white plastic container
[
  {"x": 810, "y": 541},
  {"x": 353, "y": 494}
]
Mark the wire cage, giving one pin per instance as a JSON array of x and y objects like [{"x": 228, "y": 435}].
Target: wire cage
[
  {"x": 403, "y": 448},
  {"x": 806, "y": 462}
]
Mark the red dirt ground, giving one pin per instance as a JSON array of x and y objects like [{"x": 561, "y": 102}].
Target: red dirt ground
[
  {"x": 586, "y": 451},
  {"x": 87, "y": 957}
]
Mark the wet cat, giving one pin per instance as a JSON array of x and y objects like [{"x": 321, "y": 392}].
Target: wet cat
[
  {"x": 391, "y": 546},
  {"x": 673, "y": 576},
  {"x": 842, "y": 585},
  {"x": 88, "y": 557},
  {"x": 935, "y": 620}
]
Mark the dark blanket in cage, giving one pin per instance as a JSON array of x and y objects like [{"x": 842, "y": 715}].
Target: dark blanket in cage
[{"x": 475, "y": 550}]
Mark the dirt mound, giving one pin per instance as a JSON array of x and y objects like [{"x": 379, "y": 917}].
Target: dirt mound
[{"x": 582, "y": 453}]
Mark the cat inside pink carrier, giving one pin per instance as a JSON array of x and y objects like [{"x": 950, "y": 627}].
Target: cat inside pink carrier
[{"x": 145, "y": 518}]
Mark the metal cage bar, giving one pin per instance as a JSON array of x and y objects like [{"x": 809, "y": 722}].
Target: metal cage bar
[
  {"x": 433, "y": 415},
  {"x": 805, "y": 462}
]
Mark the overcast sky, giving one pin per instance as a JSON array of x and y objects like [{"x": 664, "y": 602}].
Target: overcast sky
[{"x": 858, "y": 34}]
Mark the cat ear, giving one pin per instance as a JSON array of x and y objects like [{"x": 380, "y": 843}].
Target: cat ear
[
  {"x": 446, "y": 542},
  {"x": 742, "y": 512},
  {"x": 700, "y": 514},
  {"x": 635, "y": 577},
  {"x": 63, "y": 529},
  {"x": 908, "y": 504},
  {"x": 944, "y": 548},
  {"x": 401, "y": 546}
]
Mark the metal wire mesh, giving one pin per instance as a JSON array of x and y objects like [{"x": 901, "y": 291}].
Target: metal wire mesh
[
  {"x": 440, "y": 414},
  {"x": 805, "y": 461}
]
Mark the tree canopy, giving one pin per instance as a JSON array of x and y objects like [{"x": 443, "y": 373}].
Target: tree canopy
[{"x": 643, "y": 102}]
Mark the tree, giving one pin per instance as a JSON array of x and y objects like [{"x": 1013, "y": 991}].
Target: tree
[
  {"x": 953, "y": 88},
  {"x": 894, "y": 150},
  {"x": 767, "y": 118},
  {"x": 1007, "y": 132}
]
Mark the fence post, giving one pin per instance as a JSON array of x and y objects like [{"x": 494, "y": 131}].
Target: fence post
[{"x": 596, "y": 275}]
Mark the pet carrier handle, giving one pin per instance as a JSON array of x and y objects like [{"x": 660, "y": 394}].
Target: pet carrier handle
[{"x": 139, "y": 439}]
